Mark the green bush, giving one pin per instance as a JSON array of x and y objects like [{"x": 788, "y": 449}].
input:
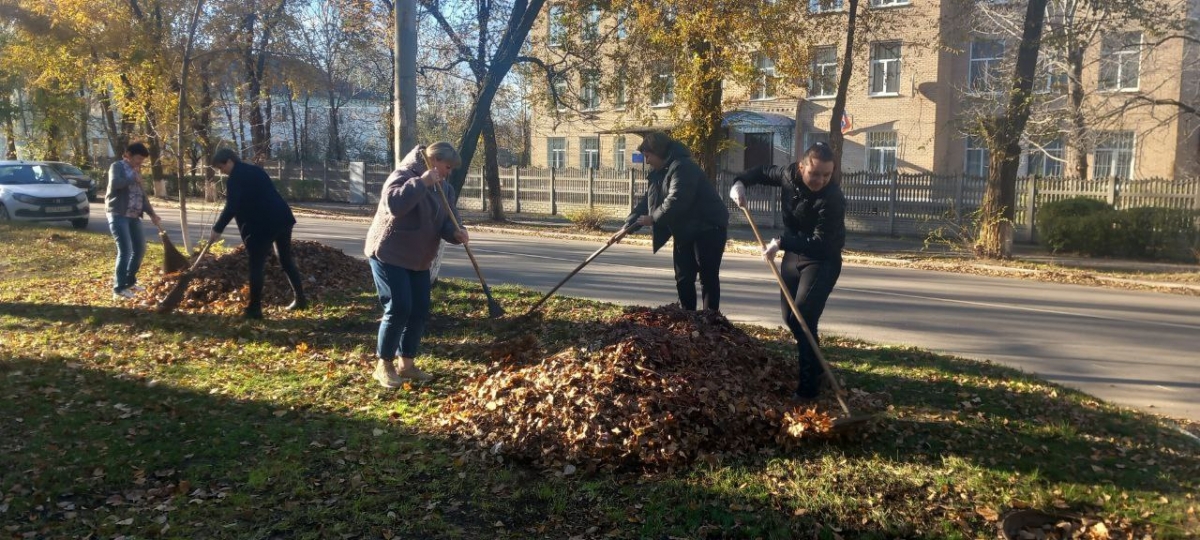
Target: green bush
[
  {"x": 588, "y": 219},
  {"x": 1073, "y": 225},
  {"x": 1094, "y": 228}
]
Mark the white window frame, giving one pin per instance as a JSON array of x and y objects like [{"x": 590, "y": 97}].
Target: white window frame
[
  {"x": 1050, "y": 78},
  {"x": 1114, "y": 151},
  {"x": 560, "y": 92},
  {"x": 977, "y": 152},
  {"x": 1121, "y": 54},
  {"x": 888, "y": 65},
  {"x": 1046, "y": 160},
  {"x": 884, "y": 151},
  {"x": 663, "y": 92},
  {"x": 766, "y": 86},
  {"x": 825, "y": 6},
  {"x": 820, "y": 68},
  {"x": 555, "y": 31},
  {"x": 619, "y": 96},
  {"x": 983, "y": 73},
  {"x": 619, "y": 153},
  {"x": 591, "y": 23},
  {"x": 589, "y": 91},
  {"x": 556, "y": 158},
  {"x": 589, "y": 158},
  {"x": 889, "y": 3}
]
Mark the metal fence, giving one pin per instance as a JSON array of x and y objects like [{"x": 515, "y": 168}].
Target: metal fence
[{"x": 895, "y": 204}]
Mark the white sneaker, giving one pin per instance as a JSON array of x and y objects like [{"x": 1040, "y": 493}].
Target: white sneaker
[
  {"x": 123, "y": 294},
  {"x": 138, "y": 289}
]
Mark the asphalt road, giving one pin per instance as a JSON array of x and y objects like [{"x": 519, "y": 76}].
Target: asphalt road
[{"x": 1140, "y": 349}]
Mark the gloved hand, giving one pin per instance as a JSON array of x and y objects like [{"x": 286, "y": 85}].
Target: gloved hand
[
  {"x": 737, "y": 194},
  {"x": 771, "y": 249}
]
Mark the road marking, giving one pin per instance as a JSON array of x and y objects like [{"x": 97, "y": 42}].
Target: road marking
[{"x": 1021, "y": 308}]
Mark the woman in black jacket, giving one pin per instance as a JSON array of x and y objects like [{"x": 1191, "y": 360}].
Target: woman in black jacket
[
  {"x": 814, "y": 218},
  {"x": 264, "y": 220},
  {"x": 680, "y": 202}
]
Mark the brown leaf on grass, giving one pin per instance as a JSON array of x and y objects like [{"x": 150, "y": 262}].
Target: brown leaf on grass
[{"x": 987, "y": 513}]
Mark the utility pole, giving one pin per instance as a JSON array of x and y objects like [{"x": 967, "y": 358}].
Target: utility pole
[{"x": 405, "y": 135}]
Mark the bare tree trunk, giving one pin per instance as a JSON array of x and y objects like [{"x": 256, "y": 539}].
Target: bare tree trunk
[
  {"x": 291, "y": 105},
  {"x": 10, "y": 138},
  {"x": 52, "y": 142},
  {"x": 708, "y": 109},
  {"x": 334, "y": 151},
  {"x": 1004, "y": 134},
  {"x": 521, "y": 19},
  {"x": 491, "y": 171},
  {"x": 836, "y": 138},
  {"x": 83, "y": 152},
  {"x": 1079, "y": 128},
  {"x": 405, "y": 78}
]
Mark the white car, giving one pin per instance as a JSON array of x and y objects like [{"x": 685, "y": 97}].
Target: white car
[{"x": 33, "y": 191}]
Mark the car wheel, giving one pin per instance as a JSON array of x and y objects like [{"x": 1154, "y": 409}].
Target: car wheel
[
  {"x": 79, "y": 223},
  {"x": 4, "y": 213}
]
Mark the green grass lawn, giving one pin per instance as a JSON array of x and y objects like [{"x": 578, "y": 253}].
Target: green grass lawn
[{"x": 120, "y": 422}]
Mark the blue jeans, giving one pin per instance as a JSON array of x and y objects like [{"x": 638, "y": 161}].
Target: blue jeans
[
  {"x": 131, "y": 247},
  {"x": 404, "y": 295}
]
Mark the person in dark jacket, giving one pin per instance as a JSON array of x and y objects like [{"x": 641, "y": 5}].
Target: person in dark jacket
[
  {"x": 410, "y": 222},
  {"x": 814, "y": 218},
  {"x": 263, "y": 219},
  {"x": 680, "y": 202},
  {"x": 125, "y": 203}
]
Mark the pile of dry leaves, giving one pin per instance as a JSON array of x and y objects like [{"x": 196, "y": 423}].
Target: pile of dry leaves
[
  {"x": 660, "y": 389},
  {"x": 222, "y": 283}
]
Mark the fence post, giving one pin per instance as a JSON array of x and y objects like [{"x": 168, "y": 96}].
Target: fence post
[
  {"x": 591, "y": 187},
  {"x": 892, "y": 196},
  {"x": 1031, "y": 207},
  {"x": 553, "y": 198},
  {"x": 325, "y": 178},
  {"x": 1112, "y": 191},
  {"x": 631, "y": 195},
  {"x": 958, "y": 200},
  {"x": 517, "y": 190},
  {"x": 483, "y": 196}
]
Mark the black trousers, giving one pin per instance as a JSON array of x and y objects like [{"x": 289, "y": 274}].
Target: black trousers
[
  {"x": 811, "y": 282},
  {"x": 700, "y": 255},
  {"x": 258, "y": 248}
]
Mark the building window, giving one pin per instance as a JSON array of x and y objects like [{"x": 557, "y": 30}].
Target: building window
[
  {"x": 1051, "y": 76},
  {"x": 977, "y": 157},
  {"x": 1113, "y": 155},
  {"x": 557, "y": 31},
  {"x": 557, "y": 149},
  {"x": 663, "y": 88},
  {"x": 1045, "y": 161},
  {"x": 881, "y": 151},
  {"x": 589, "y": 90},
  {"x": 560, "y": 92},
  {"x": 591, "y": 26},
  {"x": 619, "y": 153},
  {"x": 619, "y": 93},
  {"x": 822, "y": 6},
  {"x": 589, "y": 152},
  {"x": 885, "y": 69},
  {"x": 985, "y": 74},
  {"x": 622, "y": 22},
  {"x": 814, "y": 137},
  {"x": 889, "y": 3},
  {"x": 765, "y": 86},
  {"x": 1120, "y": 61},
  {"x": 824, "y": 73}
]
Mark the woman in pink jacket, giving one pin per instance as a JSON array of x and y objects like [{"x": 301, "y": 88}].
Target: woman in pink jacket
[{"x": 403, "y": 240}]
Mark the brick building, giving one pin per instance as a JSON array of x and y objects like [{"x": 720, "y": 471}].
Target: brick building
[{"x": 911, "y": 103}]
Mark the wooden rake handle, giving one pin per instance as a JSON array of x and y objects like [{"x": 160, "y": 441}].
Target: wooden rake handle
[
  {"x": 592, "y": 257},
  {"x": 812, "y": 340}
]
